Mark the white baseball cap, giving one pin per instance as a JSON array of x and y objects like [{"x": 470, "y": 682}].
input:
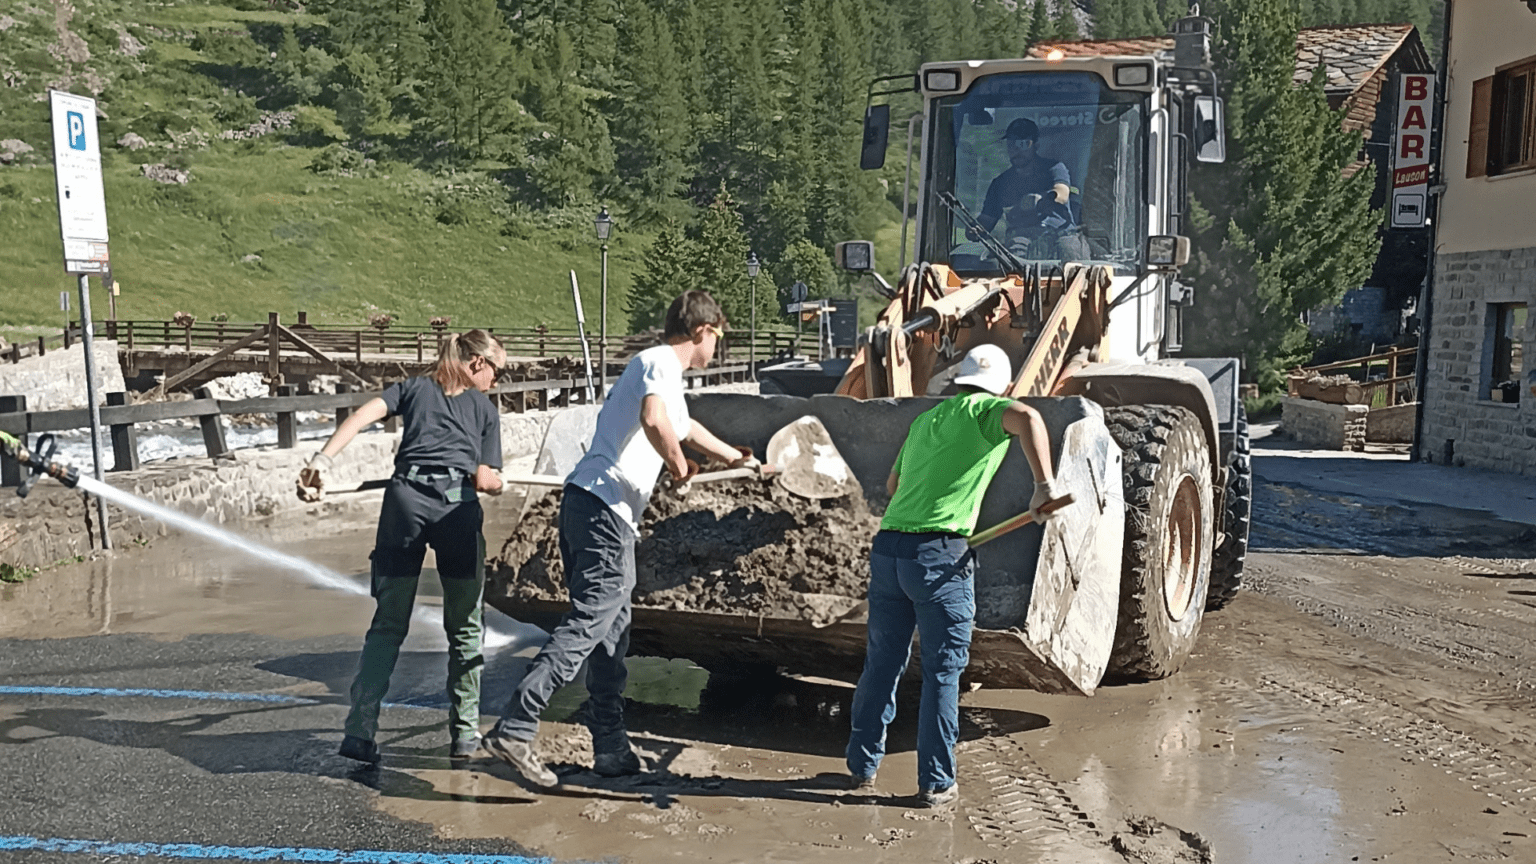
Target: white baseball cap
[{"x": 986, "y": 367}]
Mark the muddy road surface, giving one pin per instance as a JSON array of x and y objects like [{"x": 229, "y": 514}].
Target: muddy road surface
[{"x": 1368, "y": 698}]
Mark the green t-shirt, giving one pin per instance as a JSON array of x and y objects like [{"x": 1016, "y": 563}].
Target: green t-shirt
[{"x": 951, "y": 454}]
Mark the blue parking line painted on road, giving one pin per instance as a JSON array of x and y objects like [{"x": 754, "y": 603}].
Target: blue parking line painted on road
[
  {"x": 439, "y": 701},
  {"x": 213, "y": 695},
  {"x": 197, "y": 851}
]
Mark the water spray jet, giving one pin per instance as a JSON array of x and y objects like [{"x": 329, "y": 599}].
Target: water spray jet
[{"x": 39, "y": 462}]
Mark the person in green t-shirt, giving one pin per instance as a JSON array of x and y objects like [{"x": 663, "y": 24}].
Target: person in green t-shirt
[{"x": 921, "y": 567}]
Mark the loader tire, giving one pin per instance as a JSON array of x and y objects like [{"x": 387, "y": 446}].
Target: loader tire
[
  {"x": 1166, "y": 564},
  {"x": 1237, "y": 518}
]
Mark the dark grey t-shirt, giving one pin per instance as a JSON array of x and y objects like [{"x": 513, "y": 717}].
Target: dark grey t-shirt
[{"x": 460, "y": 431}]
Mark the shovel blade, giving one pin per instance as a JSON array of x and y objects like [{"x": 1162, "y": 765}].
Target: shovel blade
[{"x": 807, "y": 461}]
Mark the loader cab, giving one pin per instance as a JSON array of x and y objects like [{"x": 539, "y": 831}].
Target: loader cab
[{"x": 1086, "y": 132}]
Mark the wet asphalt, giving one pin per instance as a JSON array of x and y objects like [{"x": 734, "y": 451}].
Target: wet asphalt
[{"x": 184, "y": 769}]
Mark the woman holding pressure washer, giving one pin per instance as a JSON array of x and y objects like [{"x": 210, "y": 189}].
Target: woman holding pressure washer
[{"x": 450, "y": 450}]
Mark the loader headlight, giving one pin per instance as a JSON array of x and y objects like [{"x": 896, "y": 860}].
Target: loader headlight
[
  {"x": 942, "y": 80},
  {"x": 1167, "y": 251}
]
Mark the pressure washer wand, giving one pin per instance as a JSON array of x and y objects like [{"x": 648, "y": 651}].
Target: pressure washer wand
[{"x": 39, "y": 461}]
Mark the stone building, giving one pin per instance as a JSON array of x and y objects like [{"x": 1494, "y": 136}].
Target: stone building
[{"x": 1479, "y": 392}]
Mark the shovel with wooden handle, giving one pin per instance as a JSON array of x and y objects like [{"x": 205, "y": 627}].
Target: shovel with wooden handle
[
  {"x": 801, "y": 458},
  {"x": 822, "y": 601}
]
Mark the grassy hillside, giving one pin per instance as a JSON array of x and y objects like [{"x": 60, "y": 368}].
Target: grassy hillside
[
  {"x": 256, "y": 231},
  {"x": 257, "y": 228}
]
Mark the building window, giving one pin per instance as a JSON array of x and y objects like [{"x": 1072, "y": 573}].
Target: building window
[
  {"x": 1503, "y": 133},
  {"x": 1506, "y": 366}
]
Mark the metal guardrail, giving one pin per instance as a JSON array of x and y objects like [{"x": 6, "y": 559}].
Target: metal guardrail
[{"x": 516, "y": 396}]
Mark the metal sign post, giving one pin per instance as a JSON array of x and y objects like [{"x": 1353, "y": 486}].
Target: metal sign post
[
  {"x": 581, "y": 331},
  {"x": 83, "y": 228}
]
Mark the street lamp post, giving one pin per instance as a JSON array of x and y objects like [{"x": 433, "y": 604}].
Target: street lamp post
[
  {"x": 753, "y": 266},
  {"x": 604, "y": 224}
]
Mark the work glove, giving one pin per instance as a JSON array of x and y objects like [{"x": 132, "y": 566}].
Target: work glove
[
  {"x": 311, "y": 482},
  {"x": 1045, "y": 493},
  {"x": 681, "y": 486},
  {"x": 747, "y": 460}
]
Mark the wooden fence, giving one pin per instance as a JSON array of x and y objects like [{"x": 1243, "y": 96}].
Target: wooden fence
[
  {"x": 120, "y": 417},
  {"x": 422, "y": 343},
  {"x": 1381, "y": 378}
]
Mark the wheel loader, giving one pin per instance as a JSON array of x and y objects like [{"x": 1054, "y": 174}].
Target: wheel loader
[{"x": 1083, "y": 295}]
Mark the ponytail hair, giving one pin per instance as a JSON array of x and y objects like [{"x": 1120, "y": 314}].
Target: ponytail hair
[{"x": 451, "y": 371}]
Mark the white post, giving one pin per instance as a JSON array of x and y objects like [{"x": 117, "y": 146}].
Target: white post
[{"x": 581, "y": 331}]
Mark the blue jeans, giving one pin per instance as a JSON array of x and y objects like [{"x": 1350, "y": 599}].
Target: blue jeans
[
  {"x": 921, "y": 582},
  {"x": 597, "y": 548}
]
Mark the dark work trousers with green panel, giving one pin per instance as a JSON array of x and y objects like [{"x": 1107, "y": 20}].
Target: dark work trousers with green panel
[{"x": 437, "y": 507}]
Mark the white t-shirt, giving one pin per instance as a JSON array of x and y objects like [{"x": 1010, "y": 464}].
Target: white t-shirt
[{"x": 622, "y": 467}]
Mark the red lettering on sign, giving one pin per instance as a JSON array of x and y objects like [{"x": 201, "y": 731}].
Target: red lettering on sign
[
  {"x": 1416, "y": 88},
  {"x": 1415, "y": 118},
  {"x": 1411, "y": 146}
]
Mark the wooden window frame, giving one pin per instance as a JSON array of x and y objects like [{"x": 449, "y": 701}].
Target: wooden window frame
[
  {"x": 1491, "y": 132},
  {"x": 1506, "y": 344}
]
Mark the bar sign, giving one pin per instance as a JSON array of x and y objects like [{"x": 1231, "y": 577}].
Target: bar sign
[{"x": 1410, "y": 150}]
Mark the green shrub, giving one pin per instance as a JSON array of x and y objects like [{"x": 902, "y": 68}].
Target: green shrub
[{"x": 337, "y": 159}]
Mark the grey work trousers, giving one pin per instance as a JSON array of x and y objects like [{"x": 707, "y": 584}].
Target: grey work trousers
[{"x": 597, "y": 548}]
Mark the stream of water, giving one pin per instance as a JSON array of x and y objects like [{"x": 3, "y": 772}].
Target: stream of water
[{"x": 493, "y": 639}]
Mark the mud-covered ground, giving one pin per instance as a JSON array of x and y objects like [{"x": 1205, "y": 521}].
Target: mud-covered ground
[
  {"x": 740, "y": 546},
  {"x": 1367, "y": 698}
]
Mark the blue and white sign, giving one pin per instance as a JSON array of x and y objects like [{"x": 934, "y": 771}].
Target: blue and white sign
[{"x": 77, "y": 172}]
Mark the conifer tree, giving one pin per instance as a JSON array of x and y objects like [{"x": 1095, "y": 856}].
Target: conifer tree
[
  {"x": 654, "y": 136},
  {"x": 721, "y": 267},
  {"x": 669, "y": 266},
  {"x": 1040, "y": 22},
  {"x": 469, "y": 63},
  {"x": 1065, "y": 29},
  {"x": 570, "y": 144},
  {"x": 1278, "y": 228}
]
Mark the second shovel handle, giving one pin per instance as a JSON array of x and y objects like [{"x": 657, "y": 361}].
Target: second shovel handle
[{"x": 1018, "y": 521}]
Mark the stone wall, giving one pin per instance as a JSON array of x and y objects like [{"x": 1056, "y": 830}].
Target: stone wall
[
  {"x": 253, "y": 493},
  {"x": 1391, "y": 425},
  {"x": 56, "y": 380},
  {"x": 1322, "y": 425},
  {"x": 1457, "y": 407}
]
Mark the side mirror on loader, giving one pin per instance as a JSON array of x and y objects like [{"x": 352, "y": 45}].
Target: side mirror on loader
[
  {"x": 1167, "y": 252},
  {"x": 877, "y": 129},
  {"x": 1210, "y": 130},
  {"x": 857, "y": 256}
]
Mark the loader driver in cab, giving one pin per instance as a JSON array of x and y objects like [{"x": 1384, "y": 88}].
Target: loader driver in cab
[{"x": 1030, "y": 181}]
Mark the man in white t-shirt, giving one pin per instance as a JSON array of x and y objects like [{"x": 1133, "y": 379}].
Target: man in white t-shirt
[{"x": 640, "y": 430}]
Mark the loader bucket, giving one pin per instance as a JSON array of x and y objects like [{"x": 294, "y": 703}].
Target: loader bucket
[{"x": 1046, "y": 599}]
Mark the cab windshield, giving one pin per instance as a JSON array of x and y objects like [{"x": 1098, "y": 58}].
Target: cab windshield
[{"x": 1088, "y": 140}]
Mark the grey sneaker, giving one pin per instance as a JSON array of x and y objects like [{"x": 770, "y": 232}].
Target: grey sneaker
[
  {"x": 616, "y": 763},
  {"x": 940, "y": 797},
  {"x": 465, "y": 748},
  {"x": 855, "y": 783},
  {"x": 523, "y": 758},
  {"x": 360, "y": 749}
]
